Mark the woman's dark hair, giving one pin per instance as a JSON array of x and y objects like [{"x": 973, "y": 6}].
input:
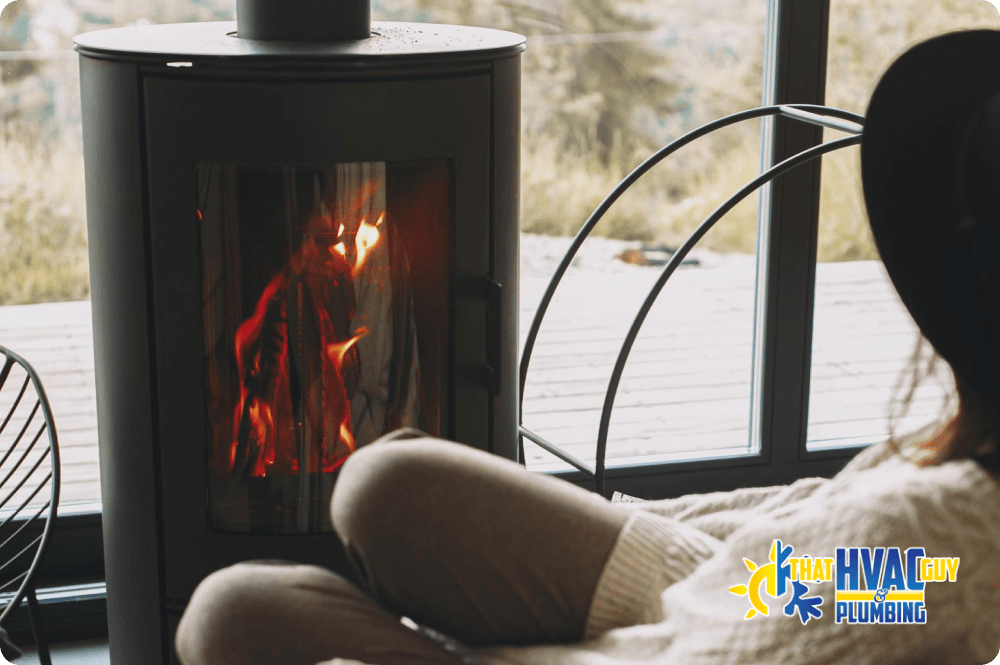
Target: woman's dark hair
[
  {"x": 930, "y": 169},
  {"x": 974, "y": 420},
  {"x": 977, "y": 429}
]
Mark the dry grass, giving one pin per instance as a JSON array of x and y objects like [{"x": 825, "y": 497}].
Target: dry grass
[
  {"x": 559, "y": 191},
  {"x": 43, "y": 229},
  {"x": 864, "y": 40}
]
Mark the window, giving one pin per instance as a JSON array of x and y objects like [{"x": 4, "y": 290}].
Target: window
[
  {"x": 44, "y": 305},
  {"x": 605, "y": 85},
  {"x": 715, "y": 391},
  {"x": 856, "y": 370},
  {"x": 44, "y": 312}
]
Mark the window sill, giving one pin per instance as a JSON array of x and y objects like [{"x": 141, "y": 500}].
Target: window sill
[{"x": 73, "y": 612}]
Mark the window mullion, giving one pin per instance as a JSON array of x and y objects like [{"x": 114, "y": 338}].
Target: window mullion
[{"x": 790, "y": 211}]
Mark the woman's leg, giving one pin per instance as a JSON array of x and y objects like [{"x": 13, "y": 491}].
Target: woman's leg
[
  {"x": 271, "y": 614},
  {"x": 473, "y": 545}
]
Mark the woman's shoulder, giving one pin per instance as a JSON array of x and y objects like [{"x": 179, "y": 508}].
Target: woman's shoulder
[
  {"x": 948, "y": 514},
  {"x": 953, "y": 490},
  {"x": 884, "y": 499},
  {"x": 891, "y": 448},
  {"x": 895, "y": 467}
]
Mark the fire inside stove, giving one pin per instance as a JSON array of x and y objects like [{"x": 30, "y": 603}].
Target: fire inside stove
[{"x": 325, "y": 302}]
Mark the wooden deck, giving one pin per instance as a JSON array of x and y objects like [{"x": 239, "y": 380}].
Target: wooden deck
[
  {"x": 686, "y": 390},
  {"x": 57, "y": 339}
]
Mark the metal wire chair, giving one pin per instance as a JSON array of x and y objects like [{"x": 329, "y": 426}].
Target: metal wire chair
[
  {"x": 825, "y": 116},
  {"x": 29, "y": 493}
]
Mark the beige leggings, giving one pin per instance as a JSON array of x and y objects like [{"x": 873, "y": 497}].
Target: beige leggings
[{"x": 463, "y": 542}]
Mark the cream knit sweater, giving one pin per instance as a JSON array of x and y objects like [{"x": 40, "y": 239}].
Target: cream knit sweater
[
  {"x": 667, "y": 581},
  {"x": 664, "y": 597}
]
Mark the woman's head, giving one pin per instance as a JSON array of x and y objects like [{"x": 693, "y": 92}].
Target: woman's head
[{"x": 930, "y": 162}]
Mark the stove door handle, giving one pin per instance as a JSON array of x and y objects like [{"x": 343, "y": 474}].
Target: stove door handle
[{"x": 492, "y": 291}]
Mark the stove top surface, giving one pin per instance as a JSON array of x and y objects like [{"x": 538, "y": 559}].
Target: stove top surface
[{"x": 219, "y": 40}]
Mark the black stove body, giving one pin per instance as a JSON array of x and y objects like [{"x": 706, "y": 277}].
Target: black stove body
[{"x": 303, "y": 235}]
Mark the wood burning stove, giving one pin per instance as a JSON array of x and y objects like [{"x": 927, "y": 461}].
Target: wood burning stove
[{"x": 303, "y": 234}]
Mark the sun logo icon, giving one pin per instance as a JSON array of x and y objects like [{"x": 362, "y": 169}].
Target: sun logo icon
[{"x": 766, "y": 575}]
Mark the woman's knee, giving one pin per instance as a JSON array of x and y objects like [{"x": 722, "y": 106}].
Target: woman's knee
[
  {"x": 236, "y": 611},
  {"x": 262, "y": 613},
  {"x": 389, "y": 487},
  {"x": 212, "y": 625},
  {"x": 382, "y": 483}
]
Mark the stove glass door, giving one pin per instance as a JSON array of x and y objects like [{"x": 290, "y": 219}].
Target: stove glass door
[{"x": 325, "y": 320}]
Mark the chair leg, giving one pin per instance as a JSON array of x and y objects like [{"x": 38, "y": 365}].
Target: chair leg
[{"x": 37, "y": 629}]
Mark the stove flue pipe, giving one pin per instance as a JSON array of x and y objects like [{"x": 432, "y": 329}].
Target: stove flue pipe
[{"x": 303, "y": 20}]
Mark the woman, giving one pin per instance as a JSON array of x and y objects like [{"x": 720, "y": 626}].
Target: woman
[{"x": 518, "y": 568}]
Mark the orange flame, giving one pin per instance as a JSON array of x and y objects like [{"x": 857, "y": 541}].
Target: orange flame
[
  {"x": 365, "y": 240},
  {"x": 336, "y": 351},
  {"x": 340, "y": 247}
]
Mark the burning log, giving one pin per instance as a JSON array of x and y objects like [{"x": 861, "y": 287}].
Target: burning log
[{"x": 327, "y": 359}]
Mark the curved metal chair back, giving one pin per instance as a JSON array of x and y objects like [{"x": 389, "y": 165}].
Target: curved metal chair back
[
  {"x": 29, "y": 491},
  {"x": 824, "y": 116}
]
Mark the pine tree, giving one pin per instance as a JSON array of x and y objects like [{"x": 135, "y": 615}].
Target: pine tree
[
  {"x": 15, "y": 23},
  {"x": 587, "y": 74},
  {"x": 594, "y": 78}
]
